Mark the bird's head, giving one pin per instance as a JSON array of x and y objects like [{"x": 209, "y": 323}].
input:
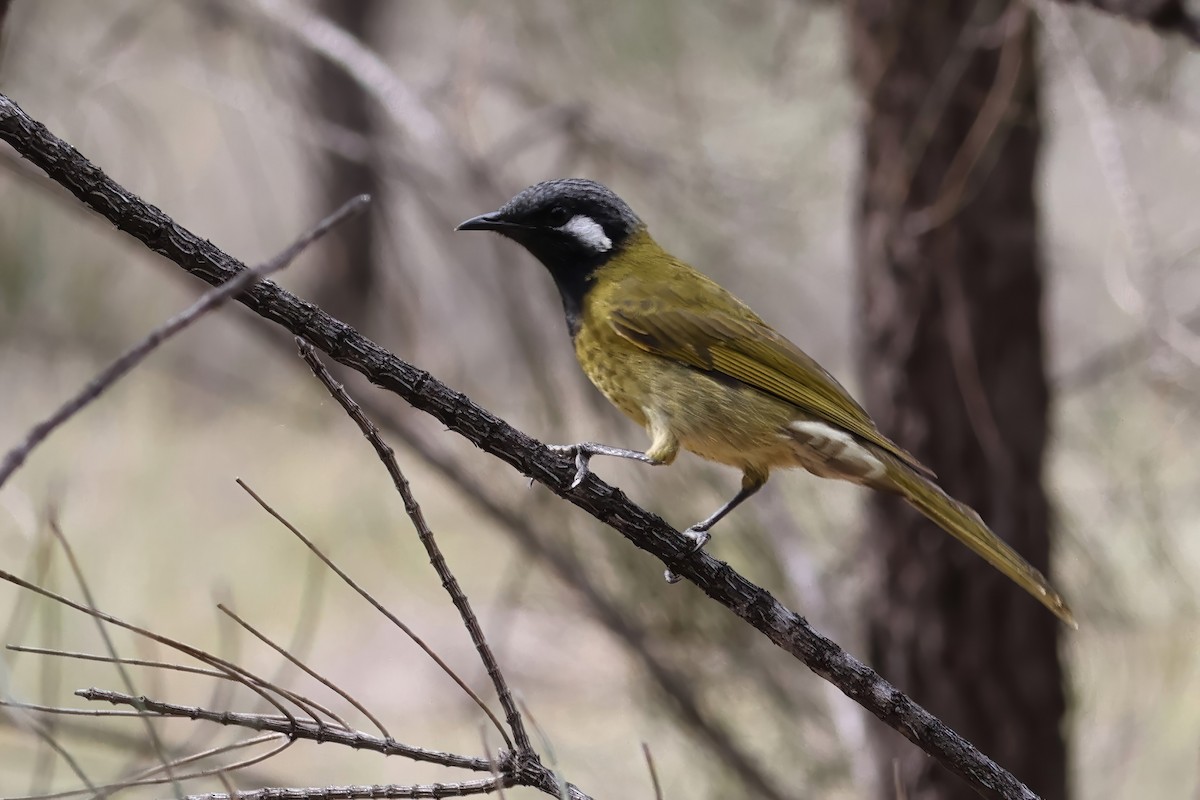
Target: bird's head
[{"x": 571, "y": 225}]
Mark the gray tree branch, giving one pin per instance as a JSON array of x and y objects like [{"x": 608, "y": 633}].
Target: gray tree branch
[{"x": 418, "y": 388}]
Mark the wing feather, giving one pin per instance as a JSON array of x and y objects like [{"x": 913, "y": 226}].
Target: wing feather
[{"x": 745, "y": 348}]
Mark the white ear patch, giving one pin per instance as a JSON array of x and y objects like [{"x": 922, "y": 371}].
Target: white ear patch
[{"x": 588, "y": 232}]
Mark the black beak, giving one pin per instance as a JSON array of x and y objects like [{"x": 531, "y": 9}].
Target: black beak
[{"x": 486, "y": 222}]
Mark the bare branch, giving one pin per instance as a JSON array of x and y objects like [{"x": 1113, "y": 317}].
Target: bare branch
[
  {"x": 133, "y": 356},
  {"x": 487, "y": 753},
  {"x": 295, "y": 728},
  {"x": 146, "y": 777},
  {"x": 564, "y": 564},
  {"x": 223, "y": 675},
  {"x": 65, "y": 712},
  {"x": 755, "y": 605},
  {"x": 243, "y": 676},
  {"x": 307, "y": 671},
  {"x": 40, "y": 730},
  {"x": 413, "y": 509},
  {"x": 151, "y": 734},
  {"x": 429, "y": 790},
  {"x": 517, "y": 769},
  {"x": 220, "y": 771},
  {"x": 115, "y": 740},
  {"x": 399, "y": 623}
]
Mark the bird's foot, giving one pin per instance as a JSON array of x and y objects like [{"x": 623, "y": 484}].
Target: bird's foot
[
  {"x": 582, "y": 453},
  {"x": 699, "y": 537}
]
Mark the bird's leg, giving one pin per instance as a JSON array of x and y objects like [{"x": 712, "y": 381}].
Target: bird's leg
[
  {"x": 662, "y": 450},
  {"x": 584, "y": 451},
  {"x": 698, "y": 533}
]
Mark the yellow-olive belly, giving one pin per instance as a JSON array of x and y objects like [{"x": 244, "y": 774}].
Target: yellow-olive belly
[{"x": 719, "y": 418}]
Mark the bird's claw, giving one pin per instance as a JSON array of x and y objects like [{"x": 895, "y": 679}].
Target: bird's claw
[
  {"x": 582, "y": 457},
  {"x": 699, "y": 538}
]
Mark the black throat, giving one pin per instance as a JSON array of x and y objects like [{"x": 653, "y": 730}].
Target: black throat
[
  {"x": 573, "y": 268},
  {"x": 573, "y": 285}
]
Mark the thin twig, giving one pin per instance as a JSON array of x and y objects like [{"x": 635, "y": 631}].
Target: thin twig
[
  {"x": 487, "y": 753},
  {"x": 658, "y": 793},
  {"x": 311, "y": 607},
  {"x": 40, "y": 730},
  {"x": 413, "y": 509},
  {"x": 66, "y": 712},
  {"x": 243, "y": 676},
  {"x": 433, "y": 791},
  {"x": 42, "y": 771},
  {"x": 377, "y": 606},
  {"x": 156, "y": 743},
  {"x": 119, "y": 741},
  {"x": 319, "y": 678},
  {"x": 514, "y": 769},
  {"x": 145, "y": 777},
  {"x": 222, "y": 693},
  {"x": 306, "y": 703},
  {"x": 565, "y": 565},
  {"x": 236, "y": 766},
  {"x": 561, "y": 782},
  {"x": 297, "y": 729},
  {"x": 786, "y": 629},
  {"x": 133, "y": 356},
  {"x": 41, "y": 552},
  {"x": 222, "y": 675}
]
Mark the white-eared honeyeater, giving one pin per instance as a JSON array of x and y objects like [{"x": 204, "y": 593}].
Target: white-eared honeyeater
[{"x": 698, "y": 369}]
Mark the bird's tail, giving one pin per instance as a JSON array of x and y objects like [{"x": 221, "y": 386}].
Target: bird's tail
[{"x": 964, "y": 524}]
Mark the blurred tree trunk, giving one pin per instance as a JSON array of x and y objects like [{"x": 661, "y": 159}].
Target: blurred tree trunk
[
  {"x": 3, "y": 15},
  {"x": 952, "y": 361},
  {"x": 348, "y": 279}
]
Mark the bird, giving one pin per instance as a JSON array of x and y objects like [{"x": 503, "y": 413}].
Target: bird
[{"x": 700, "y": 371}]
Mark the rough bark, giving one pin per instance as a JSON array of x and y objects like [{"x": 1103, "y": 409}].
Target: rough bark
[{"x": 953, "y": 368}]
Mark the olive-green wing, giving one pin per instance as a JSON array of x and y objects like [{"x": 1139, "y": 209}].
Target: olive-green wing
[{"x": 743, "y": 347}]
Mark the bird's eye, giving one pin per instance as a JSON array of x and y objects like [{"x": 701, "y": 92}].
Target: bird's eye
[{"x": 557, "y": 216}]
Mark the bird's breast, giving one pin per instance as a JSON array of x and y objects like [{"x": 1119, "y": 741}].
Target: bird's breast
[
  {"x": 715, "y": 417},
  {"x": 614, "y": 366}
]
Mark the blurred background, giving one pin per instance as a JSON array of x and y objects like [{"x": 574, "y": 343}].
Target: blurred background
[{"x": 736, "y": 129}]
